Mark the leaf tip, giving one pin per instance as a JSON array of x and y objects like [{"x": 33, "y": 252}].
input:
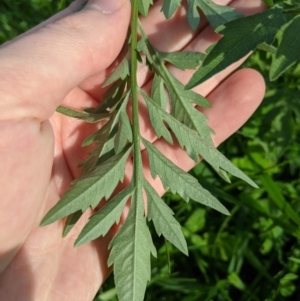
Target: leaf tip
[
  {"x": 191, "y": 84},
  {"x": 78, "y": 242},
  {"x": 44, "y": 222}
]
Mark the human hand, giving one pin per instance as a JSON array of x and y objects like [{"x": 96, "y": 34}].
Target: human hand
[{"x": 65, "y": 61}]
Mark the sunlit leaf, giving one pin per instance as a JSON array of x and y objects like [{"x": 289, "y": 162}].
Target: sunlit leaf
[
  {"x": 144, "y": 6},
  {"x": 217, "y": 14},
  {"x": 130, "y": 253},
  {"x": 179, "y": 181},
  {"x": 164, "y": 222},
  {"x": 100, "y": 223},
  {"x": 90, "y": 189},
  {"x": 239, "y": 38},
  {"x": 169, "y": 7},
  {"x": 288, "y": 50}
]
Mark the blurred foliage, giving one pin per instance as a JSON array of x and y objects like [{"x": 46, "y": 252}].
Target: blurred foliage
[
  {"x": 19, "y": 15},
  {"x": 254, "y": 254}
]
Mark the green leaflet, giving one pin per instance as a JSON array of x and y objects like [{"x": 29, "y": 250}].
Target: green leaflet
[
  {"x": 195, "y": 145},
  {"x": 100, "y": 139},
  {"x": 144, "y": 6},
  {"x": 267, "y": 48},
  {"x": 158, "y": 92},
  {"x": 106, "y": 129},
  {"x": 181, "y": 100},
  {"x": 288, "y": 50},
  {"x": 90, "y": 189},
  {"x": 183, "y": 60},
  {"x": 169, "y": 7},
  {"x": 71, "y": 220},
  {"x": 142, "y": 47},
  {"x": 124, "y": 133},
  {"x": 111, "y": 97},
  {"x": 217, "y": 14},
  {"x": 130, "y": 253},
  {"x": 193, "y": 15},
  {"x": 87, "y": 117},
  {"x": 100, "y": 223},
  {"x": 164, "y": 222},
  {"x": 239, "y": 38},
  {"x": 121, "y": 72},
  {"x": 182, "y": 108},
  {"x": 179, "y": 181},
  {"x": 113, "y": 143}
]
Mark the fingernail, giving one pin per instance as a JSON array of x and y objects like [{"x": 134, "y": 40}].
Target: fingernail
[{"x": 105, "y": 6}]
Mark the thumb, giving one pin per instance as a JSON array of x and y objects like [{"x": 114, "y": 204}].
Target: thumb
[{"x": 39, "y": 69}]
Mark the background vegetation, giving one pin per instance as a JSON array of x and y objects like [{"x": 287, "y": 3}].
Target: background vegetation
[{"x": 254, "y": 254}]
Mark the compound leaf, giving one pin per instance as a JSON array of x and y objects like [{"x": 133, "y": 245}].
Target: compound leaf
[
  {"x": 239, "y": 38},
  {"x": 100, "y": 223},
  {"x": 130, "y": 253},
  {"x": 90, "y": 189},
  {"x": 178, "y": 180},
  {"x": 288, "y": 50},
  {"x": 216, "y": 14},
  {"x": 164, "y": 222},
  {"x": 111, "y": 97},
  {"x": 169, "y": 7},
  {"x": 70, "y": 222}
]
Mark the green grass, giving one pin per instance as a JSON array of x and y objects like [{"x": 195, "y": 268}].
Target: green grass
[{"x": 254, "y": 254}]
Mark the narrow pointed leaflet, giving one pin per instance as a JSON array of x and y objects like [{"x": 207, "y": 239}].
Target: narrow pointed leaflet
[
  {"x": 164, "y": 222},
  {"x": 178, "y": 180},
  {"x": 90, "y": 189},
  {"x": 130, "y": 254},
  {"x": 288, "y": 50},
  {"x": 216, "y": 14},
  {"x": 100, "y": 223},
  {"x": 240, "y": 37}
]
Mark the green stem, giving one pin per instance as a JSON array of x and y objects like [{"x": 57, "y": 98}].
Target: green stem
[{"x": 134, "y": 93}]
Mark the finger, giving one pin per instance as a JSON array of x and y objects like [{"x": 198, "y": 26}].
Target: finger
[
  {"x": 72, "y": 8},
  {"x": 56, "y": 58},
  {"x": 233, "y": 102}
]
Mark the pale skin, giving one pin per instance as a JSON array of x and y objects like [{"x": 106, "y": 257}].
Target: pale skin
[{"x": 65, "y": 60}]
